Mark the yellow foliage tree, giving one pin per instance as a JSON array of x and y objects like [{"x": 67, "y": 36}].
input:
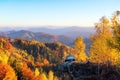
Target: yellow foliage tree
[
  {"x": 50, "y": 75},
  {"x": 103, "y": 27},
  {"x": 115, "y": 56},
  {"x": 43, "y": 76},
  {"x": 115, "y": 19},
  {"x": 37, "y": 72},
  {"x": 79, "y": 47},
  {"x": 116, "y": 29},
  {"x": 101, "y": 50},
  {"x": 4, "y": 58},
  {"x": 56, "y": 78}
]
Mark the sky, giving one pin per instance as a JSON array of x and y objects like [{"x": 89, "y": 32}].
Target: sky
[{"x": 26, "y": 13}]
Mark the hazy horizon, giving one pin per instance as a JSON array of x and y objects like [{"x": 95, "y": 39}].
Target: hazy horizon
[
  {"x": 10, "y": 28},
  {"x": 44, "y": 26}
]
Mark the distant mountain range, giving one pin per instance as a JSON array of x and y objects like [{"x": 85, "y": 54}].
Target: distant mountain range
[
  {"x": 40, "y": 36},
  {"x": 72, "y": 32},
  {"x": 64, "y": 35}
]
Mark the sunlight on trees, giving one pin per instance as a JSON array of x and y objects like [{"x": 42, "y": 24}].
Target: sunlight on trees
[
  {"x": 79, "y": 47},
  {"x": 50, "y": 75},
  {"x": 46, "y": 62},
  {"x": 27, "y": 73},
  {"x": 115, "y": 20},
  {"x": 37, "y": 72},
  {"x": 3, "y": 57},
  {"x": 99, "y": 51},
  {"x": 7, "y": 73},
  {"x": 102, "y": 49},
  {"x": 103, "y": 27},
  {"x": 34, "y": 60},
  {"x": 116, "y": 30},
  {"x": 115, "y": 57},
  {"x": 43, "y": 76}
]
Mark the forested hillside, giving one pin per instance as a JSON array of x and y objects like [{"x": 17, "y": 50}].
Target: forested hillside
[
  {"x": 27, "y": 57},
  {"x": 34, "y": 60}
]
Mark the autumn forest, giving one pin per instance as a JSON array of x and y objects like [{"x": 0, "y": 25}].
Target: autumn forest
[{"x": 34, "y": 60}]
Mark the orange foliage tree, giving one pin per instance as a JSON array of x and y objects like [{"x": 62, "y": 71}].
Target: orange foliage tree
[
  {"x": 46, "y": 62},
  {"x": 27, "y": 73},
  {"x": 7, "y": 73}
]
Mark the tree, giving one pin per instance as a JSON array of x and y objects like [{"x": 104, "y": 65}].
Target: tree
[
  {"x": 115, "y": 20},
  {"x": 27, "y": 73},
  {"x": 79, "y": 47},
  {"x": 43, "y": 77},
  {"x": 99, "y": 50},
  {"x": 103, "y": 27},
  {"x": 50, "y": 75},
  {"x": 116, "y": 30},
  {"x": 7, "y": 73},
  {"x": 37, "y": 72},
  {"x": 4, "y": 57}
]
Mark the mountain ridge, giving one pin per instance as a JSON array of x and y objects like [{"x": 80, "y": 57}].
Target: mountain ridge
[
  {"x": 72, "y": 31},
  {"x": 40, "y": 36},
  {"x": 65, "y": 35}
]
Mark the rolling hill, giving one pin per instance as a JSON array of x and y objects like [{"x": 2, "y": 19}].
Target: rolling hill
[
  {"x": 65, "y": 35},
  {"x": 40, "y": 36}
]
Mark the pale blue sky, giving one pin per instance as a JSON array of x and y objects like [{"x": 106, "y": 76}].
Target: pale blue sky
[{"x": 55, "y": 12}]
